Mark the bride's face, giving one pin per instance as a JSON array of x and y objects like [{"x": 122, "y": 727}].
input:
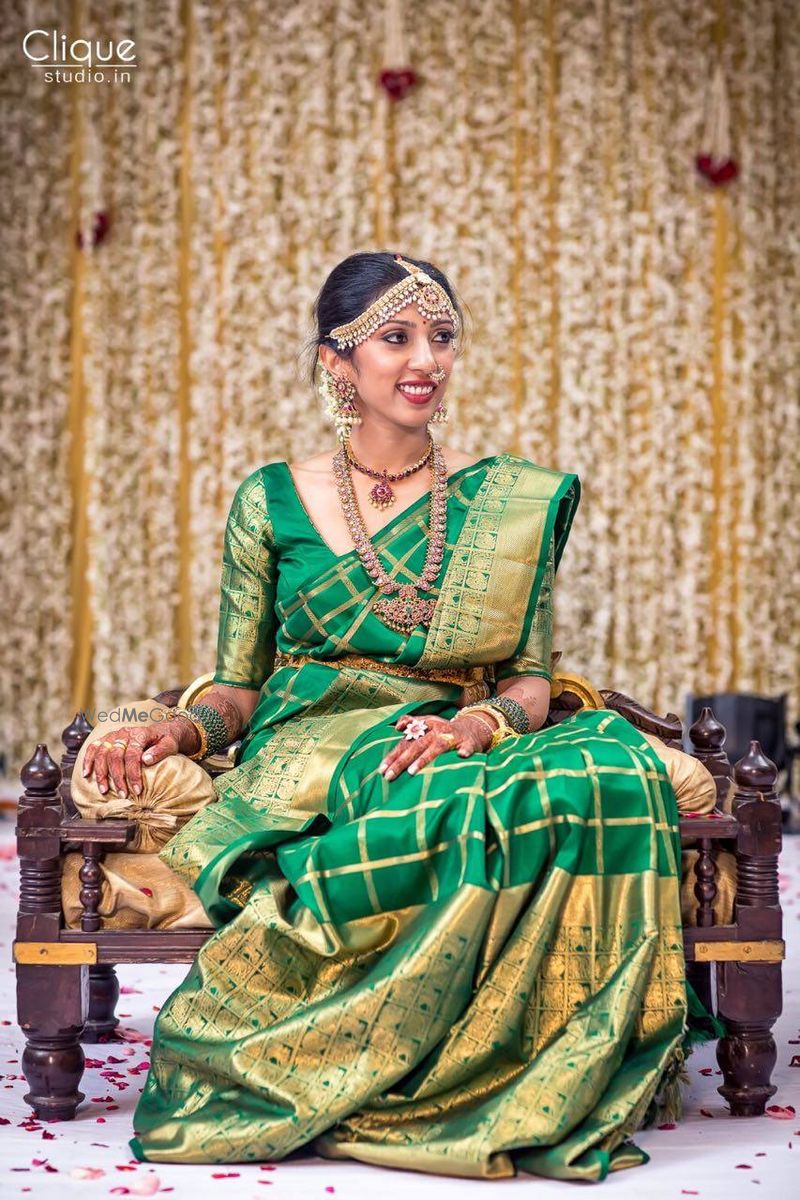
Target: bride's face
[{"x": 399, "y": 356}]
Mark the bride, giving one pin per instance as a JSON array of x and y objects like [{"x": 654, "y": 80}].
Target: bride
[{"x": 447, "y": 937}]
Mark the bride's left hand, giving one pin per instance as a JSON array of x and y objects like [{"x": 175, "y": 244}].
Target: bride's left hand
[{"x": 409, "y": 755}]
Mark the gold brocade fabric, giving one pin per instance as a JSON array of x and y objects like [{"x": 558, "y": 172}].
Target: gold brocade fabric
[
  {"x": 474, "y": 682},
  {"x": 139, "y": 891},
  {"x": 473, "y": 970}
]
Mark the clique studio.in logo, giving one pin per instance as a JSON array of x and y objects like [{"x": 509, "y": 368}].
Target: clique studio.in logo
[{"x": 79, "y": 61}]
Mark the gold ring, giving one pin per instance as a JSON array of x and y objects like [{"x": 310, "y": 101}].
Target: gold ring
[
  {"x": 450, "y": 738},
  {"x": 119, "y": 742},
  {"x": 108, "y": 745}
]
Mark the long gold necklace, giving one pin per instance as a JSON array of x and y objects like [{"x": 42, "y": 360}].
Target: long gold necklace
[{"x": 405, "y": 609}]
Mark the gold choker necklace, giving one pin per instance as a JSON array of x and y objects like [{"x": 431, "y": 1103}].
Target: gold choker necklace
[{"x": 382, "y": 495}]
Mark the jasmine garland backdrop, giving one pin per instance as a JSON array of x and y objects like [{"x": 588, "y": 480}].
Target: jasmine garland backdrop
[{"x": 630, "y": 323}]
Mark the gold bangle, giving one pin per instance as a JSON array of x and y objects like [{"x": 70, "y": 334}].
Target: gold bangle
[
  {"x": 503, "y": 729},
  {"x": 202, "y": 731},
  {"x": 493, "y": 729},
  {"x": 498, "y": 712}
]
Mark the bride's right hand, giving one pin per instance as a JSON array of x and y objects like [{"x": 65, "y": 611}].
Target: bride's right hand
[{"x": 146, "y": 744}]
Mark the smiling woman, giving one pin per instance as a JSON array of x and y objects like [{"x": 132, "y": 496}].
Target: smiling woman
[{"x": 447, "y": 937}]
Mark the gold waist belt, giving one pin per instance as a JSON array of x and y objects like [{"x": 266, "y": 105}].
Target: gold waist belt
[{"x": 474, "y": 680}]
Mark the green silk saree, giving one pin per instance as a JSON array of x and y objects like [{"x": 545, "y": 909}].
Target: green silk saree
[{"x": 473, "y": 970}]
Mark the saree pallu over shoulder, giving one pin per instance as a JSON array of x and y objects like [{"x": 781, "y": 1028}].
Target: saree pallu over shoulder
[{"x": 521, "y": 514}]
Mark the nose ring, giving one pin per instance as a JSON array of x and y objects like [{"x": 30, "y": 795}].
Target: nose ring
[{"x": 438, "y": 375}]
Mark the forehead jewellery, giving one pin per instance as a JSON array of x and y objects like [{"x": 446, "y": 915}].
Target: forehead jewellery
[{"x": 417, "y": 288}]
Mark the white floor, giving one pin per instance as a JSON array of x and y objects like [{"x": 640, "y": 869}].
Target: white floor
[{"x": 709, "y": 1154}]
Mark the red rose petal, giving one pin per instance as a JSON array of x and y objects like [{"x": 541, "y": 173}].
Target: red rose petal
[
  {"x": 667, "y": 1125},
  {"x": 781, "y": 1114}
]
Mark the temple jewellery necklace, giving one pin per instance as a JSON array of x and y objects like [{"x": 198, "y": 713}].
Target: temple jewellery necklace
[
  {"x": 399, "y": 606},
  {"x": 382, "y": 495}
]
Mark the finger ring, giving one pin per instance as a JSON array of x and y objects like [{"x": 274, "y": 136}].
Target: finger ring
[
  {"x": 450, "y": 738},
  {"x": 108, "y": 745},
  {"x": 119, "y": 742},
  {"x": 416, "y": 728}
]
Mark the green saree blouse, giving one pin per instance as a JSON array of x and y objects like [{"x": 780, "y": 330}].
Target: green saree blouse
[{"x": 473, "y": 970}]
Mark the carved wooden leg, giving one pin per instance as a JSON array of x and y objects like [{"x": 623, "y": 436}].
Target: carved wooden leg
[
  {"x": 103, "y": 996},
  {"x": 747, "y": 1055},
  {"x": 749, "y": 993},
  {"x": 52, "y": 998},
  {"x": 52, "y": 1003}
]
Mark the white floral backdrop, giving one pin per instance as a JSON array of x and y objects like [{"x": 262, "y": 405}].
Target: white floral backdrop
[{"x": 630, "y": 323}]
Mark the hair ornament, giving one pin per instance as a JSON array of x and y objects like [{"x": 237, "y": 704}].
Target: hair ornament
[{"x": 418, "y": 288}]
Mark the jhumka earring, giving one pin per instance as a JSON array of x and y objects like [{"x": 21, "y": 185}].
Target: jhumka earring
[
  {"x": 339, "y": 395},
  {"x": 439, "y": 414}
]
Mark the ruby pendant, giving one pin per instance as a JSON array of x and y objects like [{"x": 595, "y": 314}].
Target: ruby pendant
[
  {"x": 405, "y": 611},
  {"x": 381, "y": 495}
]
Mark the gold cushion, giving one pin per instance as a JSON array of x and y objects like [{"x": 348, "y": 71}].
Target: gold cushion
[
  {"x": 137, "y": 891},
  {"x": 173, "y": 790}
]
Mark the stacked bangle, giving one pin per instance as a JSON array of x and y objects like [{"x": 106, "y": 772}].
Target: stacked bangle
[
  {"x": 504, "y": 728},
  {"x": 210, "y": 721},
  {"x": 173, "y": 713},
  {"x": 492, "y": 728},
  {"x": 210, "y": 727},
  {"x": 517, "y": 717}
]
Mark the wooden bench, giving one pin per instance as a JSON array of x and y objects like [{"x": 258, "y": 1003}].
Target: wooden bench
[{"x": 67, "y": 986}]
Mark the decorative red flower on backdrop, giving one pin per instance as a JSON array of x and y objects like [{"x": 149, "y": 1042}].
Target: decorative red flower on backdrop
[
  {"x": 398, "y": 82},
  {"x": 717, "y": 173},
  {"x": 715, "y": 162},
  {"x": 100, "y": 227}
]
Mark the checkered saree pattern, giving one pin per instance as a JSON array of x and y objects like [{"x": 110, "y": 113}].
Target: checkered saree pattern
[{"x": 474, "y": 970}]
